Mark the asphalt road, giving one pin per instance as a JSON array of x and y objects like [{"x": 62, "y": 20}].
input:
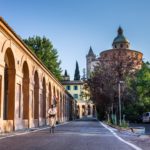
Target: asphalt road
[{"x": 76, "y": 135}]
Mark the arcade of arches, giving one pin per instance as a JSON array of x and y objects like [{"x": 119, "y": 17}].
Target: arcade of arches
[
  {"x": 27, "y": 88},
  {"x": 85, "y": 109}
]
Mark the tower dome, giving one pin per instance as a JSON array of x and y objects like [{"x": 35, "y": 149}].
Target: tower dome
[{"x": 120, "y": 42}]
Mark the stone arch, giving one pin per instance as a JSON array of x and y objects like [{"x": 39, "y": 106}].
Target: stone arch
[
  {"x": 50, "y": 94},
  {"x": 83, "y": 110},
  {"x": 9, "y": 85},
  {"x": 89, "y": 110},
  {"x": 25, "y": 89},
  {"x": 58, "y": 105},
  {"x": 94, "y": 111},
  {"x": 54, "y": 96},
  {"x": 54, "y": 91},
  {"x": 36, "y": 95},
  {"x": 61, "y": 106},
  {"x": 43, "y": 99},
  {"x": 6, "y": 45},
  {"x": 78, "y": 111},
  {"x": 63, "y": 103}
]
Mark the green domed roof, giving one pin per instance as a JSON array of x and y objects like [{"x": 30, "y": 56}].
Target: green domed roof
[{"x": 120, "y": 37}]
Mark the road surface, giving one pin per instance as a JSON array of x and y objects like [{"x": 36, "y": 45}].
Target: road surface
[{"x": 76, "y": 135}]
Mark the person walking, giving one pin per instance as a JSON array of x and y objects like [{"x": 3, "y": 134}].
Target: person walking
[{"x": 52, "y": 118}]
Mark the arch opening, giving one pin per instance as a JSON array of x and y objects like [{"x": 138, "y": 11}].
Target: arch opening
[
  {"x": 89, "y": 110},
  {"x": 50, "y": 95},
  {"x": 36, "y": 95},
  {"x": 43, "y": 106},
  {"x": 83, "y": 110},
  {"x": 25, "y": 89},
  {"x": 58, "y": 105},
  {"x": 9, "y": 85}
]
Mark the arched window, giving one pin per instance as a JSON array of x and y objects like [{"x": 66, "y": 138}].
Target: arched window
[{"x": 121, "y": 45}]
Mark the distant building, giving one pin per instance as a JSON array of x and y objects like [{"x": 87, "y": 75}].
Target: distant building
[
  {"x": 120, "y": 52},
  {"x": 85, "y": 106},
  {"x": 91, "y": 61}
]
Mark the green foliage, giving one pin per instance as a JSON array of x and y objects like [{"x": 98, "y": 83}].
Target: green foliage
[
  {"x": 124, "y": 124},
  {"x": 77, "y": 72},
  {"x": 140, "y": 87},
  {"x": 44, "y": 50}
]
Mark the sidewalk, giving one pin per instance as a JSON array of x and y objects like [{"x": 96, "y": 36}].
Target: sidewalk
[
  {"x": 140, "y": 140},
  {"x": 27, "y": 131},
  {"x": 22, "y": 131}
]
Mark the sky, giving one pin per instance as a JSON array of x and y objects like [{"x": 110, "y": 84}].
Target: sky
[{"x": 74, "y": 25}]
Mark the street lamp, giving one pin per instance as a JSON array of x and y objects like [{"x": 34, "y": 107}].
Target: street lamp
[{"x": 120, "y": 82}]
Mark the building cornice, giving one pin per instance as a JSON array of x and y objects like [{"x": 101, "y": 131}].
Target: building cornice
[{"x": 129, "y": 50}]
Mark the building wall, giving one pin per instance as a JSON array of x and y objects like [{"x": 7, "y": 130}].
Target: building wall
[
  {"x": 27, "y": 88},
  {"x": 123, "y": 55},
  {"x": 72, "y": 91},
  {"x": 83, "y": 105}
]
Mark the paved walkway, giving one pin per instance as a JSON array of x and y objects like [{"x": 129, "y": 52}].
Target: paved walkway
[{"x": 76, "y": 135}]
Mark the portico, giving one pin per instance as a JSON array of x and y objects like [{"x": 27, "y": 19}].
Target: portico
[{"x": 27, "y": 87}]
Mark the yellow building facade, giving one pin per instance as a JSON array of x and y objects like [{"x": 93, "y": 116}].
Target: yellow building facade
[{"x": 85, "y": 107}]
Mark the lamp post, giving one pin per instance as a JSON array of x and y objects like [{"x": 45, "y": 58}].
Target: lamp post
[{"x": 120, "y": 82}]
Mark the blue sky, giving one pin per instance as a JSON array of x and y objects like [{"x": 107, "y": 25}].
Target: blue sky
[{"x": 75, "y": 25}]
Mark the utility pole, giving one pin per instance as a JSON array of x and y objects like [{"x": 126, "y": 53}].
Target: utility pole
[{"x": 119, "y": 94}]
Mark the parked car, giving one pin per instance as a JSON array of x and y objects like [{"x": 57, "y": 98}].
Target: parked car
[{"x": 146, "y": 117}]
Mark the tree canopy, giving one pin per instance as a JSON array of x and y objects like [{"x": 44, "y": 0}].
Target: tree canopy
[
  {"x": 104, "y": 84},
  {"x": 77, "y": 72},
  {"x": 45, "y": 51},
  {"x": 139, "y": 93}
]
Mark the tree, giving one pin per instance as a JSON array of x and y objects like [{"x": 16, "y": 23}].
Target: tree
[
  {"x": 77, "y": 73},
  {"x": 66, "y": 74},
  {"x": 138, "y": 93},
  {"x": 85, "y": 93},
  {"x": 105, "y": 78},
  {"x": 44, "y": 50}
]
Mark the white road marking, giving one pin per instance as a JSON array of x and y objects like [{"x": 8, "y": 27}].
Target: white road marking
[
  {"x": 119, "y": 138},
  {"x": 27, "y": 132}
]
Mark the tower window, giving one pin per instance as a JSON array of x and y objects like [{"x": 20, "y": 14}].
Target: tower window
[
  {"x": 121, "y": 45},
  {"x": 115, "y": 46}
]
